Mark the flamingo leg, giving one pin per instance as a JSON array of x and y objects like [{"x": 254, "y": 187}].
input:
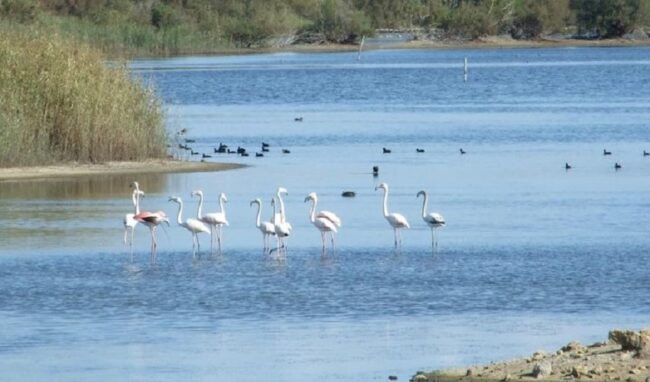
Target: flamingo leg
[
  {"x": 322, "y": 238},
  {"x": 332, "y": 237},
  {"x": 126, "y": 229},
  {"x": 219, "y": 237},
  {"x": 211, "y": 239},
  {"x": 395, "y": 233}
]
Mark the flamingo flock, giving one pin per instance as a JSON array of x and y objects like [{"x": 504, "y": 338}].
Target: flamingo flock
[{"x": 326, "y": 222}]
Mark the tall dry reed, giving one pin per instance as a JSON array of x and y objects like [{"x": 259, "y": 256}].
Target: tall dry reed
[{"x": 59, "y": 102}]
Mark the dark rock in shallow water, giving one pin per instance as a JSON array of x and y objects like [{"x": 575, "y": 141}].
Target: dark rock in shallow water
[{"x": 349, "y": 194}]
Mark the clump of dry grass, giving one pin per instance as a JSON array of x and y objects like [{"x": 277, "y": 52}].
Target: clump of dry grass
[{"x": 60, "y": 102}]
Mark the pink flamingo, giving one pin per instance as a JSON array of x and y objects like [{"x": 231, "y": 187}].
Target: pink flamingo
[
  {"x": 324, "y": 221},
  {"x": 152, "y": 220}
]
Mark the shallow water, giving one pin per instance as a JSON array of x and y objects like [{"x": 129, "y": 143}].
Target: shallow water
[{"x": 532, "y": 257}]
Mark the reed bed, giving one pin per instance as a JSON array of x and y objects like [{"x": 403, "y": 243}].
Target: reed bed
[{"x": 60, "y": 102}]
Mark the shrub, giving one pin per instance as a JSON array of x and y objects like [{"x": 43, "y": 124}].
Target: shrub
[{"x": 60, "y": 102}]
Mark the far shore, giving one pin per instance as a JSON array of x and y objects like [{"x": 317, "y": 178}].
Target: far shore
[
  {"x": 487, "y": 42},
  {"x": 112, "y": 168}
]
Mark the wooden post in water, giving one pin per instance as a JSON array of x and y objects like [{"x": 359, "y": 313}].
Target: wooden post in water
[
  {"x": 465, "y": 70},
  {"x": 363, "y": 39}
]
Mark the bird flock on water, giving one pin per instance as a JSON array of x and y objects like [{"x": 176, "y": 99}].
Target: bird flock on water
[{"x": 326, "y": 222}]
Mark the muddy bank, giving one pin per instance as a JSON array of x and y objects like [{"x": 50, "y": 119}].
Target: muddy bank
[
  {"x": 625, "y": 356},
  {"x": 112, "y": 168}
]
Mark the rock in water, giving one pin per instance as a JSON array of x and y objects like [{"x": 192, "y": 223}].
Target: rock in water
[{"x": 542, "y": 370}]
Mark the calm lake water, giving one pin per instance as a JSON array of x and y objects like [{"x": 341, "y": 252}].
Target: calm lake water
[{"x": 533, "y": 255}]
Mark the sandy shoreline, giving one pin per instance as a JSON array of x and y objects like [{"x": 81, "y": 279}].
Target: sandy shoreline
[
  {"x": 112, "y": 168},
  {"x": 624, "y": 357}
]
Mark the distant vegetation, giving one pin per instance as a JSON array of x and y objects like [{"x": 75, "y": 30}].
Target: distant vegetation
[
  {"x": 59, "y": 102},
  {"x": 192, "y": 26}
]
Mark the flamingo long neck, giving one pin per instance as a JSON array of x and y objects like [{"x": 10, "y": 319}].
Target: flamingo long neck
[
  {"x": 180, "y": 212},
  {"x": 312, "y": 211},
  {"x": 199, "y": 211},
  {"x": 273, "y": 205},
  {"x": 258, "y": 222},
  {"x": 134, "y": 198},
  {"x": 284, "y": 218},
  {"x": 221, "y": 206},
  {"x": 385, "y": 202},
  {"x": 424, "y": 205}
]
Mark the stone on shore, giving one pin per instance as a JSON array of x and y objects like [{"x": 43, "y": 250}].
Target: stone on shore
[{"x": 629, "y": 340}]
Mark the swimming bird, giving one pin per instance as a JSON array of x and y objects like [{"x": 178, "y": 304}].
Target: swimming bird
[
  {"x": 285, "y": 151},
  {"x": 324, "y": 221},
  {"x": 282, "y": 229},
  {"x": 298, "y": 119},
  {"x": 244, "y": 154},
  {"x": 617, "y": 166},
  {"x": 462, "y": 152},
  {"x": 206, "y": 156},
  {"x": 129, "y": 222},
  {"x": 567, "y": 166},
  {"x": 645, "y": 153},
  {"x": 152, "y": 220},
  {"x": 348, "y": 194},
  {"x": 433, "y": 219},
  {"x": 605, "y": 152},
  {"x": 396, "y": 220},
  {"x": 214, "y": 220},
  {"x": 259, "y": 155},
  {"x": 192, "y": 225},
  {"x": 375, "y": 171},
  {"x": 264, "y": 144},
  {"x": 266, "y": 228},
  {"x": 419, "y": 150},
  {"x": 265, "y": 149},
  {"x": 386, "y": 151}
]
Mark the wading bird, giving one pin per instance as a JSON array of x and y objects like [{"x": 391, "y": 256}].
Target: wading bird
[
  {"x": 325, "y": 221},
  {"x": 129, "y": 221},
  {"x": 282, "y": 229},
  {"x": 396, "y": 220},
  {"x": 194, "y": 226},
  {"x": 267, "y": 228},
  {"x": 214, "y": 220},
  {"x": 152, "y": 220},
  {"x": 433, "y": 219}
]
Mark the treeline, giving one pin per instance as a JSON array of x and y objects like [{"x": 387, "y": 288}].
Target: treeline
[{"x": 175, "y": 26}]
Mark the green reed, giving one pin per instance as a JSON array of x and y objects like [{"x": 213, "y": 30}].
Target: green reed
[{"x": 60, "y": 102}]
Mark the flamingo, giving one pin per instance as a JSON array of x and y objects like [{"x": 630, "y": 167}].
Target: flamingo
[
  {"x": 129, "y": 221},
  {"x": 281, "y": 215},
  {"x": 267, "y": 228},
  {"x": 152, "y": 220},
  {"x": 192, "y": 225},
  {"x": 214, "y": 220},
  {"x": 433, "y": 219},
  {"x": 324, "y": 221},
  {"x": 282, "y": 229},
  {"x": 396, "y": 220}
]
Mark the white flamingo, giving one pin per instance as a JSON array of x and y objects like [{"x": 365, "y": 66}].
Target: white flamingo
[
  {"x": 282, "y": 229},
  {"x": 433, "y": 219},
  {"x": 152, "y": 220},
  {"x": 267, "y": 228},
  {"x": 281, "y": 216},
  {"x": 324, "y": 221},
  {"x": 129, "y": 221},
  {"x": 214, "y": 220},
  {"x": 192, "y": 225},
  {"x": 396, "y": 220}
]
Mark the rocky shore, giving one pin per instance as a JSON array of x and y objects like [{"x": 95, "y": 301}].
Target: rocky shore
[{"x": 625, "y": 356}]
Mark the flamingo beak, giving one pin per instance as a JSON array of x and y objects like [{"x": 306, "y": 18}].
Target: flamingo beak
[{"x": 306, "y": 199}]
